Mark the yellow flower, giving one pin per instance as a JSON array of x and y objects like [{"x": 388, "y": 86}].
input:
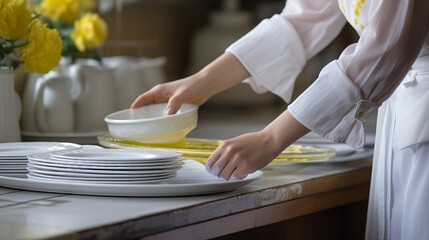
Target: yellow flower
[
  {"x": 15, "y": 17},
  {"x": 23, "y": 13},
  {"x": 63, "y": 10},
  {"x": 89, "y": 32},
  {"x": 42, "y": 52},
  {"x": 7, "y": 18}
]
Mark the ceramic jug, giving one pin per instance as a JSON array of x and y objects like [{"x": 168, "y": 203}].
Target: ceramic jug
[
  {"x": 53, "y": 109},
  {"x": 93, "y": 95},
  {"x": 46, "y": 104}
]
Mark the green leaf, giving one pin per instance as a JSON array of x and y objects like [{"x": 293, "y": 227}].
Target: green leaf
[
  {"x": 15, "y": 64},
  {"x": 66, "y": 31},
  {"x": 94, "y": 55},
  {"x": 8, "y": 50}
]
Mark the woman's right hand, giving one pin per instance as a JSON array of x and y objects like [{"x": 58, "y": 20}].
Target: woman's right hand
[
  {"x": 224, "y": 72},
  {"x": 186, "y": 90}
]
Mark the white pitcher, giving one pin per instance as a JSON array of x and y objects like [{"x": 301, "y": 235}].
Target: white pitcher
[
  {"x": 46, "y": 104},
  {"x": 53, "y": 107},
  {"x": 93, "y": 96}
]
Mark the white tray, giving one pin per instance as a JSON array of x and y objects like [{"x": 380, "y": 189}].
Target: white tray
[{"x": 192, "y": 179}]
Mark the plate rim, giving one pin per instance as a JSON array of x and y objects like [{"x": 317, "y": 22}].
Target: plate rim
[
  {"x": 161, "y": 154},
  {"x": 37, "y": 145}
]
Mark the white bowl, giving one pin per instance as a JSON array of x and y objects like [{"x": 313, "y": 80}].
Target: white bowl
[{"x": 150, "y": 124}]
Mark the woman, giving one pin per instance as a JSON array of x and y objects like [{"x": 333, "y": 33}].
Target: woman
[{"x": 388, "y": 66}]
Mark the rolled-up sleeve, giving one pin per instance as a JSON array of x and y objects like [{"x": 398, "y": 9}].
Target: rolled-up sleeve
[
  {"x": 347, "y": 90},
  {"x": 276, "y": 50}
]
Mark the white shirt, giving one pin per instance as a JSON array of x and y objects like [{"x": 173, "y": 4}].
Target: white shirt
[{"x": 392, "y": 35}]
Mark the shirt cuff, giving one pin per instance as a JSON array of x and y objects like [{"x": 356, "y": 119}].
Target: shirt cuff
[
  {"x": 333, "y": 107},
  {"x": 274, "y": 56}
]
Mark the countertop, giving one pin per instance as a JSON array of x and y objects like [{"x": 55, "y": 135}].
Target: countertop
[{"x": 285, "y": 192}]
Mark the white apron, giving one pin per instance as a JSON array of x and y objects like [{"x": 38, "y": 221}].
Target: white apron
[{"x": 399, "y": 196}]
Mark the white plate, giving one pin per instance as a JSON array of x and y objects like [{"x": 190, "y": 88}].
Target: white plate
[
  {"x": 99, "y": 182},
  {"x": 22, "y": 149},
  {"x": 49, "y": 171},
  {"x": 101, "y": 179},
  {"x": 35, "y": 176},
  {"x": 192, "y": 179},
  {"x": 105, "y": 167},
  {"x": 341, "y": 149},
  {"x": 12, "y": 158},
  {"x": 47, "y": 158},
  {"x": 80, "y": 138},
  {"x": 13, "y": 166},
  {"x": 43, "y": 158},
  {"x": 358, "y": 155},
  {"x": 313, "y": 138},
  {"x": 127, "y": 171},
  {"x": 12, "y": 162},
  {"x": 52, "y": 161},
  {"x": 103, "y": 154},
  {"x": 14, "y": 175},
  {"x": 13, "y": 171}
]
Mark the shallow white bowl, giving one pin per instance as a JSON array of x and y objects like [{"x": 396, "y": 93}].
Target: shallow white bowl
[{"x": 150, "y": 124}]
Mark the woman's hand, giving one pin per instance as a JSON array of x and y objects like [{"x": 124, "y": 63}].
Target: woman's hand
[
  {"x": 235, "y": 158},
  {"x": 189, "y": 90},
  {"x": 226, "y": 71}
]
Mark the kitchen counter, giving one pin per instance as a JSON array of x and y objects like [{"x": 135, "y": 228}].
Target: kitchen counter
[{"x": 285, "y": 194}]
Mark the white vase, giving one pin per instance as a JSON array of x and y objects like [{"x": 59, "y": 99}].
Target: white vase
[{"x": 10, "y": 108}]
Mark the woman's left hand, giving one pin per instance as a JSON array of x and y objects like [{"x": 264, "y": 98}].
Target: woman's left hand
[{"x": 235, "y": 158}]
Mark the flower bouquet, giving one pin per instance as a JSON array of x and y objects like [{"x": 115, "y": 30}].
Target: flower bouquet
[{"x": 81, "y": 29}]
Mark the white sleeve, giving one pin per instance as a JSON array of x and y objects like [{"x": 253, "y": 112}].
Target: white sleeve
[
  {"x": 366, "y": 74},
  {"x": 276, "y": 50}
]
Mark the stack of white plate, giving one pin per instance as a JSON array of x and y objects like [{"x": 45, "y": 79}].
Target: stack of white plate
[
  {"x": 105, "y": 166},
  {"x": 13, "y": 156}
]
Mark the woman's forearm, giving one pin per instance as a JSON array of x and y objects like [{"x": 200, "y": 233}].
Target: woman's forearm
[
  {"x": 223, "y": 73},
  {"x": 285, "y": 130}
]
